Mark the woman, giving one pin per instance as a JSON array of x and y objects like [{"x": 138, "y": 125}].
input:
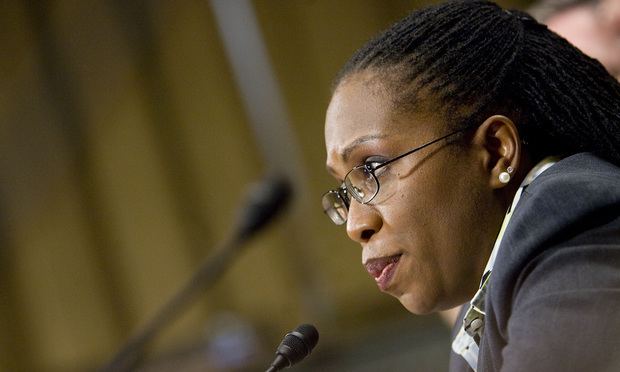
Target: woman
[{"x": 478, "y": 159}]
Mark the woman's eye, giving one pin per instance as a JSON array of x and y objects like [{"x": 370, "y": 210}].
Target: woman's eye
[{"x": 374, "y": 161}]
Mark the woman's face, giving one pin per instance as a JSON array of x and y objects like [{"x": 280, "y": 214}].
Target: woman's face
[{"x": 427, "y": 235}]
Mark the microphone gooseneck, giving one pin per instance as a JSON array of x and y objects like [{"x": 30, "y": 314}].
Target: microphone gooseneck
[
  {"x": 264, "y": 202},
  {"x": 295, "y": 346}
]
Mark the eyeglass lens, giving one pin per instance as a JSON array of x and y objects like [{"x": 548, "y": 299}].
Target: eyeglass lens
[
  {"x": 362, "y": 184},
  {"x": 335, "y": 207}
]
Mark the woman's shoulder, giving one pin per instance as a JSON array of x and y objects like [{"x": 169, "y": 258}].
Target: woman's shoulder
[
  {"x": 576, "y": 202},
  {"x": 573, "y": 188},
  {"x": 557, "y": 273},
  {"x": 579, "y": 169}
]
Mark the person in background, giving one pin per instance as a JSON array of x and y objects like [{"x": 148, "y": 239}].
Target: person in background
[
  {"x": 477, "y": 159},
  {"x": 591, "y": 25}
]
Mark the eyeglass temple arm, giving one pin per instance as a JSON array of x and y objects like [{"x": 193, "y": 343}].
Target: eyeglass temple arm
[{"x": 418, "y": 148}]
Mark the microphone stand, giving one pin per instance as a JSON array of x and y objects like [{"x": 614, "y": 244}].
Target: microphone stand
[{"x": 266, "y": 200}]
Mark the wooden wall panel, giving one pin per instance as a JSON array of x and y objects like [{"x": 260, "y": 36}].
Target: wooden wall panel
[
  {"x": 57, "y": 283},
  {"x": 151, "y": 255}
]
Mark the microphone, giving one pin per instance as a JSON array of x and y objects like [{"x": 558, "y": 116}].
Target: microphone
[
  {"x": 264, "y": 202},
  {"x": 295, "y": 346}
]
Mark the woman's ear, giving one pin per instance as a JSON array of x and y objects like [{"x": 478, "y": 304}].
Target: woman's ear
[{"x": 498, "y": 139}]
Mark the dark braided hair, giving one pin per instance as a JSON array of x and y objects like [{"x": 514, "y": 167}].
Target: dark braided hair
[{"x": 476, "y": 59}]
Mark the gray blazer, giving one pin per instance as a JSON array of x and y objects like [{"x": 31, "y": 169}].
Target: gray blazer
[{"x": 553, "y": 301}]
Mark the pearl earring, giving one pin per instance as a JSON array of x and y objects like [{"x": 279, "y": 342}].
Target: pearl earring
[{"x": 504, "y": 177}]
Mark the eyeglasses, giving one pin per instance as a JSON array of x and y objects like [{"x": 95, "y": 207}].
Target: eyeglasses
[{"x": 362, "y": 183}]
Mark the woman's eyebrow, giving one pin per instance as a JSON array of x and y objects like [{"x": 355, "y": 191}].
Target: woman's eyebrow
[{"x": 346, "y": 152}]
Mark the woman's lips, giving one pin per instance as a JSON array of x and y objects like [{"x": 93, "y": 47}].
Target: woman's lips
[{"x": 382, "y": 269}]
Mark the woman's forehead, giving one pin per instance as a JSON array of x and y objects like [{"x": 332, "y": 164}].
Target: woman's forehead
[
  {"x": 354, "y": 119},
  {"x": 358, "y": 111}
]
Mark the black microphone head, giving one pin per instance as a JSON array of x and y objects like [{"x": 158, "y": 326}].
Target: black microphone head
[
  {"x": 265, "y": 200},
  {"x": 295, "y": 346}
]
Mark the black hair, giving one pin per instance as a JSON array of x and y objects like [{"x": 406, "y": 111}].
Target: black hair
[{"x": 475, "y": 59}]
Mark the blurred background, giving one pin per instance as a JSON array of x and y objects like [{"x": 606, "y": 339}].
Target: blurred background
[{"x": 129, "y": 133}]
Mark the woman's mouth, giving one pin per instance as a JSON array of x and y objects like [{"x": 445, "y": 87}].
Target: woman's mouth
[{"x": 382, "y": 269}]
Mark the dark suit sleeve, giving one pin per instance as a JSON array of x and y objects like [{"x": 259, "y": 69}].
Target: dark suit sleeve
[{"x": 565, "y": 312}]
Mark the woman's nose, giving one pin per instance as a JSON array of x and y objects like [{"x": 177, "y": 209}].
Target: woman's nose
[{"x": 363, "y": 221}]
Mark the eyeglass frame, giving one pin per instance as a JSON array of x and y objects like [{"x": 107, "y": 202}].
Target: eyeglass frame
[{"x": 343, "y": 192}]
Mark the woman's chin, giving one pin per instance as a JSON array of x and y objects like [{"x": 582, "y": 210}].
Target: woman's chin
[{"x": 419, "y": 305}]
